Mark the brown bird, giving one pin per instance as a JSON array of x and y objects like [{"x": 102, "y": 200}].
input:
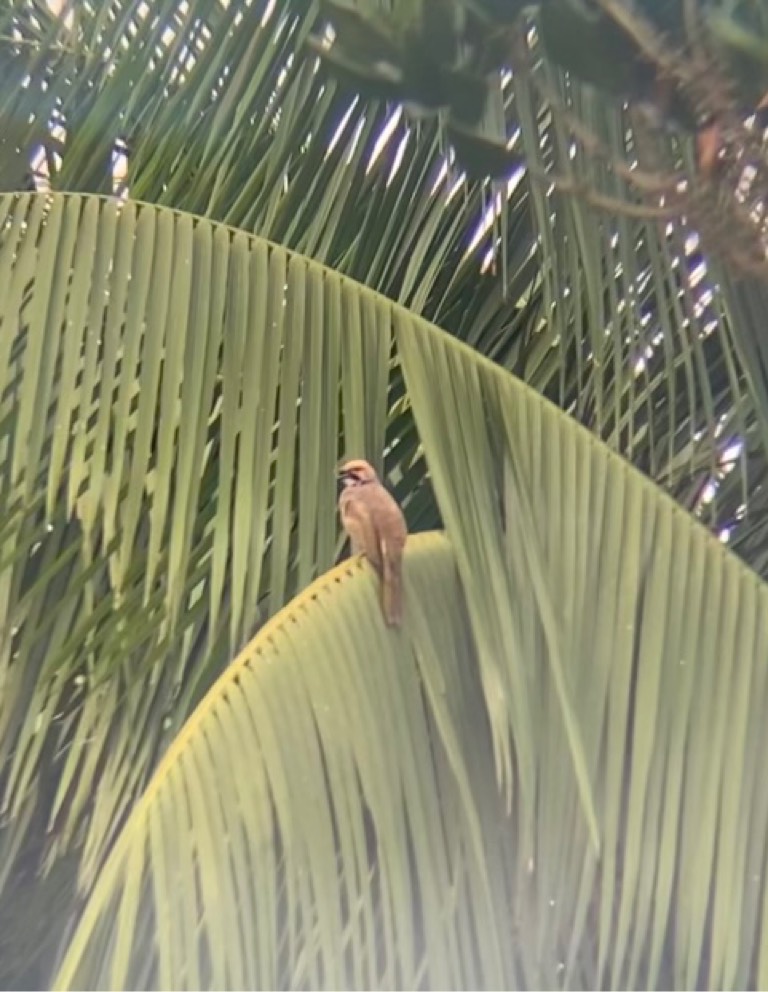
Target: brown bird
[{"x": 377, "y": 529}]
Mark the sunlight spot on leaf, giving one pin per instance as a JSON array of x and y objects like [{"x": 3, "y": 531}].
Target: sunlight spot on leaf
[
  {"x": 384, "y": 138},
  {"x": 709, "y": 492},
  {"x": 399, "y": 155},
  {"x": 338, "y": 133},
  {"x": 268, "y": 11},
  {"x": 493, "y": 210}
]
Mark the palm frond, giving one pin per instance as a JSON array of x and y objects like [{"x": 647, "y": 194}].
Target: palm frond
[
  {"x": 172, "y": 401},
  {"x": 176, "y": 396},
  {"x": 358, "y": 835},
  {"x": 219, "y": 109}
]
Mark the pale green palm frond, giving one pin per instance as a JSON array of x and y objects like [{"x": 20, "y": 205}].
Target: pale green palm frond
[
  {"x": 358, "y": 836},
  {"x": 325, "y": 713}
]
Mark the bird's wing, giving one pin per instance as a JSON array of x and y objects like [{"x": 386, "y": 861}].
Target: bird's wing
[
  {"x": 357, "y": 517},
  {"x": 390, "y": 522}
]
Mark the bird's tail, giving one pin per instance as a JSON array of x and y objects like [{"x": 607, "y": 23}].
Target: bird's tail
[{"x": 392, "y": 590}]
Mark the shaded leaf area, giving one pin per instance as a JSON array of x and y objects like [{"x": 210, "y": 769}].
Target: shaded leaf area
[
  {"x": 746, "y": 518},
  {"x": 632, "y": 334},
  {"x": 700, "y": 69},
  {"x": 222, "y": 114},
  {"x": 331, "y": 817},
  {"x": 443, "y": 55}
]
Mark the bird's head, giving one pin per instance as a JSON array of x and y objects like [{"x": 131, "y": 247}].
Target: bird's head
[{"x": 357, "y": 472}]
